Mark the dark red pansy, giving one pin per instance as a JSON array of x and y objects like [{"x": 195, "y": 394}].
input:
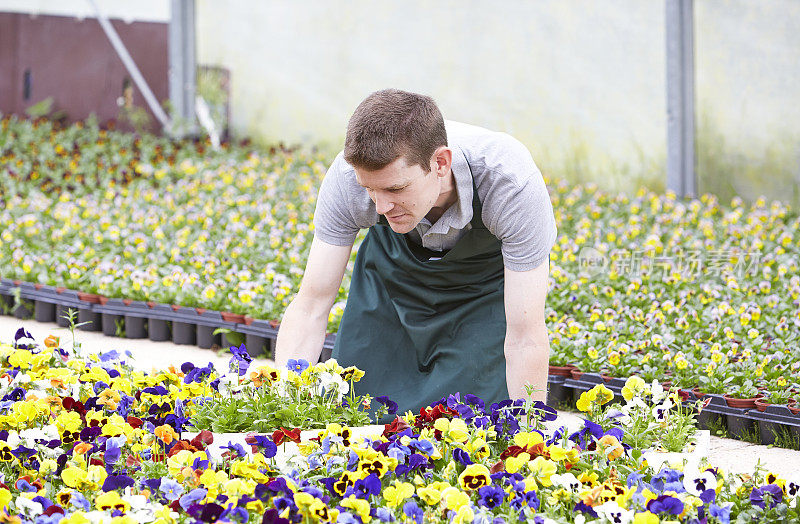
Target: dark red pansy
[
  {"x": 52, "y": 510},
  {"x": 396, "y": 426},
  {"x": 282, "y": 435},
  {"x": 203, "y": 439}
]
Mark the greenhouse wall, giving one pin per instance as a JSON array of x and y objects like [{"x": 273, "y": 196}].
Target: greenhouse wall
[
  {"x": 582, "y": 83},
  {"x": 57, "y": 51}
]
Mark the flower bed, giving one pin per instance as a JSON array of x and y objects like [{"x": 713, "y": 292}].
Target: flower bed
[{"x": 93, "y": 440}]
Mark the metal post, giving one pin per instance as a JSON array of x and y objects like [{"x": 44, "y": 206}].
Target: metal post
[
  {"x": 680, "y": 97},
  {"x": 182, "y": 66},
  {"x": 130, "y": 65}
]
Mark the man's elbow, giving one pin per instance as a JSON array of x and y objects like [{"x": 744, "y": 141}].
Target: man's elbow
[
  {"x": 525, "y": 348},
  {"x": 527, "y": 333}
]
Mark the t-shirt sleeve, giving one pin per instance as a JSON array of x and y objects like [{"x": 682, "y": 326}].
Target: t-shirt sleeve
[
  {"x": 517, "y": 208},
  {"x": 333, "y": 219}
]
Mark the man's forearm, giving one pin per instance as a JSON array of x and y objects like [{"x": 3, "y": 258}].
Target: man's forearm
[
  {"x": 301, "y": 334},
  {"x": 527, "y": 363}
]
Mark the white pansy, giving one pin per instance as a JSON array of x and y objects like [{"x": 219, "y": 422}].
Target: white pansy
[
  {"x": 657, "y": 391},
  {"x": 35, "y": 393},
  {"x": 332, "y": 383},
  {"x": 661, "y": 410},
  {"x": 30, "y": 436},
  {"x": 227, "y": 383},
  {"x": 42, "y": 384},
  {"x": 618, "y": 415},
  {"x": 27, "y": 506},
  {"x": 792, "y": 488},
  {"x": 566, "y": 481},
  {"x": 13, "y": 439},
  {"x": 612, "y": 512},
  {"x": 696, "y": 482}
]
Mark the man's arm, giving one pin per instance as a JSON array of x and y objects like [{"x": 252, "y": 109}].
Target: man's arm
[
  {"x": 527, "y": 346},
  {"x": 302, "y": 330}
]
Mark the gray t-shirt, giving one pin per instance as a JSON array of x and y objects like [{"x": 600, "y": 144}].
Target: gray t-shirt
[{"x": 516, "y": 205}]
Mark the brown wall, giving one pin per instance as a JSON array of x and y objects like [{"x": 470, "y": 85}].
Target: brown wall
[{"x": 72, "y": 61}]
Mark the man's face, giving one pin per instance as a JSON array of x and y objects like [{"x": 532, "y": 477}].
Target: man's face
[{"x": 404, "y": 194}]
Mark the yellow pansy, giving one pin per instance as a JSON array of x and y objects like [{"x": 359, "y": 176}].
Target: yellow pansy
[
  {"x": 74, "y": 477},
  {"x": 110, "y": 501},
  {"x": 645, "y": 518},
  {"x": 560, "y": 454},
  {"x": 21, "y": 358},
  {"x": 75, "y": 518},
  {"x": 454, "y": 498},
  {"x": 454, "y": 430},
  {"x": 474, "y": 476},
  {"x": 359, "y": 506},
  {"x": 429, "y": 494},
  {"x": 528, "y": 439},
  {"x": 397, "y": 493},
  {"x": 633, "y": 386},
  {"x": 542, "y": 469},
  {"x": 513, "y": 464},
  {"x": 478, "y": 448}
]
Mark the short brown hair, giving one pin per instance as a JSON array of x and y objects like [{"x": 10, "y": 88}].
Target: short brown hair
[{"x": 391, "y": 123}]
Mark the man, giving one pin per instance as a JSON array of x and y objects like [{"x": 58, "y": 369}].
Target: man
[{"x": 449, "y": 285}]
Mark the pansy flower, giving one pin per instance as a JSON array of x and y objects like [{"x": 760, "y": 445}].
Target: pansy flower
[
  {"x": 474, "y": 477},
  {"x": 766, "y": 496},
  {"x": 297, "y": 365}
]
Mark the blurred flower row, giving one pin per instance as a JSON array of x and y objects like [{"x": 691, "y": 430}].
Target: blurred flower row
[
  {"x": 693, "y": 291},
  {"x": 229, "y": 230}
]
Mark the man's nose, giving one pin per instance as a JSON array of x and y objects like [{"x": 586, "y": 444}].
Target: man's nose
[{"x": 383, "y": 204}]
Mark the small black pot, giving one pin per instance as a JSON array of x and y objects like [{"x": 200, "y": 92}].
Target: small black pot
[
  {"x": 158, "y": 330},
  {"x": 6, "y": 303},
  {"x": 135, "y": 327},
  {"x": 184, "y": 333},
  {"x": 707, "y": 419},
  {"x": 87, "y": 315},
  {"x": 61, "y": 313},
  {"x": 739, "y": 426},
  {"x": 324, "y": 355},
  {"x": 24, "y": 310},
  {"x": 558, "y": 394},
  {"x": 256, "y": 346},
  {"x": 110, "y": 324},
  {"x": 225, "y": 343},
  {"x": 206, "y": 338},
  {"x": 44, "y": 311}
]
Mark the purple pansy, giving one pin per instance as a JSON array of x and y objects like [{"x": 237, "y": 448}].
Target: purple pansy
[{"x": 768, "y": 495}]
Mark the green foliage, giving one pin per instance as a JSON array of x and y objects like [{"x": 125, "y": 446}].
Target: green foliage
[
  {"x": 308, "y": 400},
  {"x": 41, "y": 108},
  {"x": 120, "y": 327}
]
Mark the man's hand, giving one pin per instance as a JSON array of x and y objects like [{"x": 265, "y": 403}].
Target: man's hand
[
  {"x": 302, "y": 331},
  {"x": 527, "y": 346}
]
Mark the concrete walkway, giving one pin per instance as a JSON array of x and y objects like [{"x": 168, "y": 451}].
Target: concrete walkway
[{"x": 730, "y": 455}]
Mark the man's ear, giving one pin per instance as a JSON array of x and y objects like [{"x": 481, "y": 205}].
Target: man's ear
[{"x": 442, "y": 160}]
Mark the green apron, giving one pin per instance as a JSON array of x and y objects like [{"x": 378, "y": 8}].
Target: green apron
[{"x": 423, "y": 329}]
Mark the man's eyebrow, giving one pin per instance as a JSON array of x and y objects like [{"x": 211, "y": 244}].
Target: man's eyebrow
[{"x": 401, "y": 185}]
